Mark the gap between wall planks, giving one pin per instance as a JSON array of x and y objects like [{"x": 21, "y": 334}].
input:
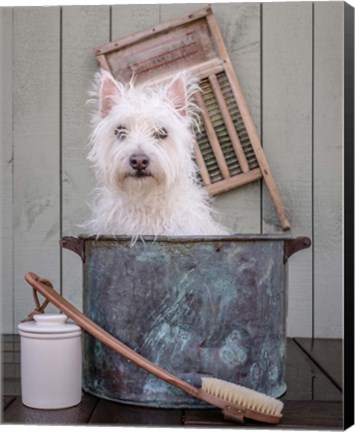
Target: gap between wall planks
[{"x": 242, "y": 26}]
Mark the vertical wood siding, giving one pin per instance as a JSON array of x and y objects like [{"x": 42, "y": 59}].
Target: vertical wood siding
[
  {"x": 289, "y": 60},
  {"x": 36, "y": 141},
  {"x": 287, "y": 138},
  {"x": 82, "y": 27},
  {"x": 7, "y": 164},
  {"x": 327, "y": 166}
]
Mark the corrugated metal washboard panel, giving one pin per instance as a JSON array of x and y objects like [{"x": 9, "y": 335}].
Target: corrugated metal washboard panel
[{"x": 228, "y": 150}]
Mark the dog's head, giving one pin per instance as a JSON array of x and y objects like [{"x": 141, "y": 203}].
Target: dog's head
[{"x": 143, "y": 135}]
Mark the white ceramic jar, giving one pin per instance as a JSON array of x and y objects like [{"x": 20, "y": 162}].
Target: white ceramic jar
[{"x": 50, "y": 362}]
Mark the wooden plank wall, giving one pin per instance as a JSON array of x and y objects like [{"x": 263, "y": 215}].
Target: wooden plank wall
[
  {"x": 6, "y": 172},
  {"x": 287, "y": 133},
  {"x": 288, "y": 58}
]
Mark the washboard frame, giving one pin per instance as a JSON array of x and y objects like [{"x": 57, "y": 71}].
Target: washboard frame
[{"x": 228, "y": 151}]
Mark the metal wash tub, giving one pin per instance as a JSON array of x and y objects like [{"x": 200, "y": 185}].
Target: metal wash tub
[{"x": 211, "y": 306}]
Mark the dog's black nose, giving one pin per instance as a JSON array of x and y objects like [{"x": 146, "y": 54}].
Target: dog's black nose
[{"x": 139, "y": 161}]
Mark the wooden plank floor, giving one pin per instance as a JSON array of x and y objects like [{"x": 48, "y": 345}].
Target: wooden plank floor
[{"x": 313, "y": 399}]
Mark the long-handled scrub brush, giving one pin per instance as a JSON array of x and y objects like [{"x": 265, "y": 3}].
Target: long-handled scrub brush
[{"x": 235, "y": 401}]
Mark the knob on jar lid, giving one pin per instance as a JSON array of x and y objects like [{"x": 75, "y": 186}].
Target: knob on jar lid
[
  {"x": 49, "y": 323},
  {"x": 50, "y": 319}
]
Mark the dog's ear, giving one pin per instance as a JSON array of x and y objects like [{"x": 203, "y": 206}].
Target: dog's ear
[
  {"x": 177, "y": 94},
  {"x": 109, "y": 92}
]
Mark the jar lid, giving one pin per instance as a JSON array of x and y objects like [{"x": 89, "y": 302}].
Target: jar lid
[{"x": 48, "y": 323}]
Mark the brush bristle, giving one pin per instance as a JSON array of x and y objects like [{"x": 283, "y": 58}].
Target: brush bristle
[{"x": 242, "y": 396}]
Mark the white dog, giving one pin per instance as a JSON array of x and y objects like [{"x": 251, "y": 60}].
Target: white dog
[{"x": 142, "y": 152}]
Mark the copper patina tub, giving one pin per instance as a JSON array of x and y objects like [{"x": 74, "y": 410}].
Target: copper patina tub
[{"x": 212, "y": 306}]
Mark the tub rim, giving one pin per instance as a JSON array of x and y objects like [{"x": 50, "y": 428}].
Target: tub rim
[
  {"x": 186, "y": 239},
  {"x": 291, "y": 244}
]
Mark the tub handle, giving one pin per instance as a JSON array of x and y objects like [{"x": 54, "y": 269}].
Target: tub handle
[
  {"x": 295, "y": 245},
  {"x": 74, "y": 244}
]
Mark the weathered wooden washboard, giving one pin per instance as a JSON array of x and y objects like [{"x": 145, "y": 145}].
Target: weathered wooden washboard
[{"x": 228, "y": 150}]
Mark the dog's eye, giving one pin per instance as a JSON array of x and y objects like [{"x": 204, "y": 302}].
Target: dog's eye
[
  {"x": 121, "y": 132},
  {"x": 161, "y": 134}
]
